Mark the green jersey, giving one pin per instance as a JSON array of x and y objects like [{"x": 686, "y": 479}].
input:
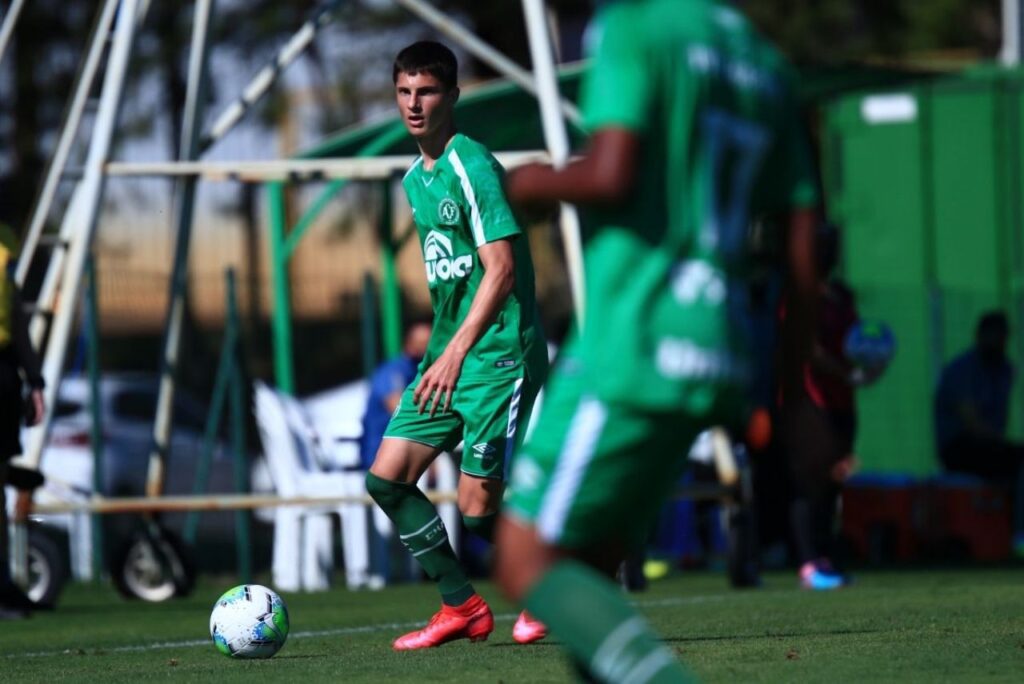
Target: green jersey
[
  {"x": 458, "y": 206},
  {"x": 720, "y": 144}
]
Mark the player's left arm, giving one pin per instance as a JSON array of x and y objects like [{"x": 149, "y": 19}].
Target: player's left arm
[{"x": 438, "y": 382}]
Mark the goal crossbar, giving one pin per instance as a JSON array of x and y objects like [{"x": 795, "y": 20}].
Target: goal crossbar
[{"x": 295, "y": 170}]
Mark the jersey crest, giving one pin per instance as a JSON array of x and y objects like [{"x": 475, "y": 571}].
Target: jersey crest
[{"x": 448, "y": 212}]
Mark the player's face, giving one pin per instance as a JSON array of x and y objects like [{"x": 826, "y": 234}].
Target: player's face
[{"x": 424, "y": 103}]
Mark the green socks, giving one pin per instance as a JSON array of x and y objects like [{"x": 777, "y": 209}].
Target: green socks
[
  {"x": 481, "y": 525},
  {"x": 422, "y": 532},
  {"x": 600, "y": 630}
]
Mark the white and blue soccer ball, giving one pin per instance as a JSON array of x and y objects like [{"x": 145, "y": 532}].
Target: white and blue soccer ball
[
  {"x": 249, "y": 621},
  {"x": 870, "y": 345}
]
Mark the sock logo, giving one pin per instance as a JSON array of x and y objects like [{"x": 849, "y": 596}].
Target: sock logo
[{"x": 440, "y": 260}]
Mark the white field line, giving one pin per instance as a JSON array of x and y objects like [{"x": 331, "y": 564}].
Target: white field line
[{"x": 343, "y": 631}]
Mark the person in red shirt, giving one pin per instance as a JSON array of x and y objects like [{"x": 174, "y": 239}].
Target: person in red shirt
[{"x": 820, "y": 424}]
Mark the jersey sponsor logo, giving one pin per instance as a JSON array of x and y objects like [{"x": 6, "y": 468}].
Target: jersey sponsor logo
[
  {"x": 448, "y": 211},
  {"x": 484, "y": 451},
  {"x": 526, "y": 474},
  {"x": 680, "y": 359},
  {"x": 505, "y": 363},
  {"x": 440, "y": 260},
  {"x": 695, "y": 280}
]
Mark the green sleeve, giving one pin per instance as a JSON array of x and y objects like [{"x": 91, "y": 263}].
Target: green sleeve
[
  {"x": 489, "y": 215},
  {"x": 616, "y": 89}
]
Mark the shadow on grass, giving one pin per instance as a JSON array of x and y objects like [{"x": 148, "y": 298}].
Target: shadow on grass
[{"x": 774, "y": 635}]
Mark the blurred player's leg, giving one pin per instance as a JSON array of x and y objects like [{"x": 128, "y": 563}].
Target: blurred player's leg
[{"x": 586, "y": 487}]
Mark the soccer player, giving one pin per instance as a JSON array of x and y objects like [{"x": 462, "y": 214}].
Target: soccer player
[
  {"x": 694, "y": 133},
  {"x": 486, "y": 358}
]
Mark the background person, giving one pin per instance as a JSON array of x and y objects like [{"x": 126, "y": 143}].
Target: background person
[
  {"x": 17, "y": 359},
  {"x": 387, "y": 383},
  {"x": 820, "y": 424},
  {"x": 971, "y": 413}
]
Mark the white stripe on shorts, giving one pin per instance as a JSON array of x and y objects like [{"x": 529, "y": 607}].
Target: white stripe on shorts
[
  {"x": 580, "y": 442},
  {"x": 513, "y": 424}
]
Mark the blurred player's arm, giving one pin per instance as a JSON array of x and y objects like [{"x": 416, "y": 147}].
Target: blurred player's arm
[
  {"x": 603, "y": 175},
  {"x": 496, "y": 285}
]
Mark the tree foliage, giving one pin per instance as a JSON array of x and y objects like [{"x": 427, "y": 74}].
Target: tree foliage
[{"x": 839, "y": 31}]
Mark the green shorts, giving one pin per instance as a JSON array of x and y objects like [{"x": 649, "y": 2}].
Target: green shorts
[
  {"x": 489, "y": 414},
  {"x": 590, "y": 474}
]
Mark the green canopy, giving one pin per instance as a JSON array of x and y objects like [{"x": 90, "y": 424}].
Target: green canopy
[
  {"x": 503, "y": 116},
  {"x": 499, "y": 114}
]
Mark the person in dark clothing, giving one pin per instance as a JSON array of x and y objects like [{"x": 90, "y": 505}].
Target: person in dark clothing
[
  {"x": 971, "y": 413},
  {"x": 820, "y": 424},
  {"x": 17, "y": 359},
  {"x": 387, "y": 383}
]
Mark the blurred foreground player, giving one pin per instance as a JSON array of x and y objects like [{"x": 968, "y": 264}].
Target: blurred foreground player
[
  {"x": 694, "y": 131},
  {"x": 487, "y": 356}
]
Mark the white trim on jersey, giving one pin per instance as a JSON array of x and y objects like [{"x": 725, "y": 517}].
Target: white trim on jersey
[
  {"x": 580, "y": 443},
  {"x": 475, "y": 221},
  {"x": 513, "y": 423},
  {"x": 419, "y": 160}
]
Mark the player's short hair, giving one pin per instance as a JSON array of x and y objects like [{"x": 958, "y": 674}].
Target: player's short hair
[{"x": 431, "y": 57}]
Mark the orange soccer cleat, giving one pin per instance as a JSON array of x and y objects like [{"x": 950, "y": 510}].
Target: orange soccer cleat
[
  {"x": 527, "y": 630},
  {"x": 472, "y": 620}
]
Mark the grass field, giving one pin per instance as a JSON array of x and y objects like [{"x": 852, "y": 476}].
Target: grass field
[{"x": 955, "y": 625}]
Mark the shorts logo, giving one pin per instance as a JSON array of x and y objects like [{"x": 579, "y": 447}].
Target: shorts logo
[
  {"x": 440, "y": 262},
  {"x": 484, "y": 451},
  {"x": 448, "y": 211}
]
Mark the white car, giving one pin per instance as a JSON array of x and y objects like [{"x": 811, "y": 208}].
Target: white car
[{"x": 128, "y": 405}]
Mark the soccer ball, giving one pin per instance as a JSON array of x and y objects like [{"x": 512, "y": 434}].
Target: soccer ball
[
  {"x": 870, "y": 345},
  {"x": 249, "y": 621}
]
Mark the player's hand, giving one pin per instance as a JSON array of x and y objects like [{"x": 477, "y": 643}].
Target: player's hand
[{"x": 438, "y": 384}]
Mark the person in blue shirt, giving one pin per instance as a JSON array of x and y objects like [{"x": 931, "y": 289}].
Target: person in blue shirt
[
  {"x": 971, "y": 414},
  {"x": 386, "y": 386},
  {"x": 387, "y": 383}
]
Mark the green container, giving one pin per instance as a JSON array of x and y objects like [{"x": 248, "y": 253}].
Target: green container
[{"x": 926, "y": 182}]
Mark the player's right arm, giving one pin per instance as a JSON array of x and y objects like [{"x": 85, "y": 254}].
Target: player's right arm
[
  {"x": 604, "y": 175},
  {"x": 616, "y": 100}
]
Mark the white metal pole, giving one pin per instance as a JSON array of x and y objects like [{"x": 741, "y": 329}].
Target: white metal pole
[
  {"x": 483, "y": 52},
  {"x": 7, "y": 30},
  {"x": 66, "y": 140},
  {"x": 266, "y": 77},
  {"x": 186, "y": 191},
  {"x": 556, "y": 139},
  {"x": 296, "y": 170},
  {"x": 85, "y": 218}
]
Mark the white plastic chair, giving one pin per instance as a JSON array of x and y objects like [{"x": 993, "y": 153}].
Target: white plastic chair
[{"x": 303, "y": 549}]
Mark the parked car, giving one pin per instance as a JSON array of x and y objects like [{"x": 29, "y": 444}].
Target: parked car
[{"x": 128, "y": 406}]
